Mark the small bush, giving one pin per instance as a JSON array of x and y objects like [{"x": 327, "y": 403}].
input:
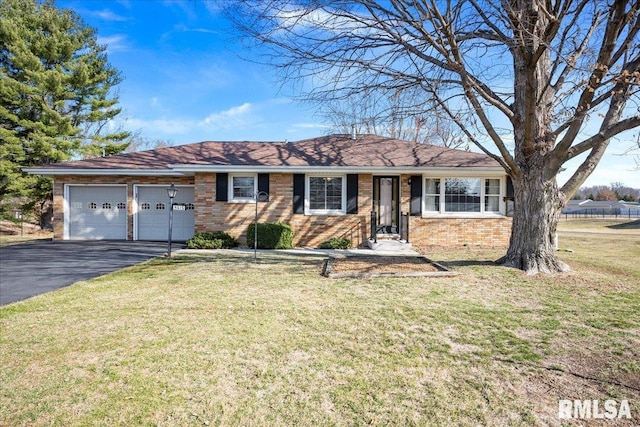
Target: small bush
[
  {"x": 271, "y": 235},
  {"x": 215, "y": 240},
  {"x": 336, "y": 243}
]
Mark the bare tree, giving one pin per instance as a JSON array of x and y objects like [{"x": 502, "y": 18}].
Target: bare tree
[
  {"x": 139, "y": 143},
  {"x": 394, "y": 116},
  {"x": 532, "y": 83},
  {"x": 634, "y": 151}
]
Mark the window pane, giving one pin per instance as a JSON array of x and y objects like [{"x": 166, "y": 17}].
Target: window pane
[
  {"x": 462, "y": 195},
  {"x": 432, "y": 195},
  {"x": 492, "y": 204},
  {"x": 243, "y": 187},
  {"x": 492, "y": 195},
  {"x": 334, "y": 193},
  {"x": 492, "y": 186},
  {"x": 325, "y": 193},
  {"x": 317, "y": 193},
  {"x": 432, "y": 203}
]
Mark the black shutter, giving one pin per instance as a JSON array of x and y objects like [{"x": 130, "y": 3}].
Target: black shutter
[
  {"x": 416, "y": 195},
  {"x": 352, "y": 193},
  {"x": 263, "y": 185},
  {"x": 509, "y": 188},
  {"x": 222, "y": 187},
  {"x": 298, "y": 193}
]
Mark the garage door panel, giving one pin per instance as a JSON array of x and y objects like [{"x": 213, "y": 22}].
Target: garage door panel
[
  {"x": 153, "y": 214},
  {"x": 97, "y": 212}
]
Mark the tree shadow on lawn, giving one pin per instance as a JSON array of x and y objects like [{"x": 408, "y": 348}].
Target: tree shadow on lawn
[{"x": 633, "y": 225}]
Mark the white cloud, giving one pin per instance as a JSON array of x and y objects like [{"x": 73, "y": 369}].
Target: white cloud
[
  {"x": 234, "y": 116},
  {"x": 161, "y": 126},
  {"x": 115, "y": 43},
  {"x": 238, "y": 116},
  {"x": 310, "y": 126},
  {"x": 108, "y": 15}
]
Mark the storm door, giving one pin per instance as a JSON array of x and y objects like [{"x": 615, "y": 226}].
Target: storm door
[{"x": 386, "y": 203}]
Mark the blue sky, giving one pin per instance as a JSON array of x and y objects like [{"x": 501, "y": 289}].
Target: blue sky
[{"x": 185, "y": 80}]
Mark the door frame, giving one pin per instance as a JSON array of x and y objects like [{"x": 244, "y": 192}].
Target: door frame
[{"x": 395, "y": 201}]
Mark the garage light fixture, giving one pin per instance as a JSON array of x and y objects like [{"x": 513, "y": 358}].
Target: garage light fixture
[{"x": 171, "y": 192}]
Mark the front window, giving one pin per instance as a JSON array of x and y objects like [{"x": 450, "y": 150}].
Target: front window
[
  {"x": 243, "y": 188},
  {"x": 326, "y": 194},
  {"x": 462, "y": 195},
  {"x": 458, "y": 195}
]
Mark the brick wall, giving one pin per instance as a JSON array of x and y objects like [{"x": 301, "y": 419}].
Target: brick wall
[
  {"x": 457, "y": 232},
  {"x": 235, "y": 218},
  {"x": 310, "y": 231}
]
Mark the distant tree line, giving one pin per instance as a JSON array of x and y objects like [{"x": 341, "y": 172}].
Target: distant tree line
[{"x": 615, "y": 191}]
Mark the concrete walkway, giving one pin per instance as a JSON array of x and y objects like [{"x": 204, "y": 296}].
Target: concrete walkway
[{"x": 303, "y": 251}]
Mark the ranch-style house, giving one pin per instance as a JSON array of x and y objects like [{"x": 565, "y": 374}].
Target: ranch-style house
[{"x": 351, "y": 186}]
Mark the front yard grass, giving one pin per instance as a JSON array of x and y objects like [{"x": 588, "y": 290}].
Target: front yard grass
[{"x": 219, "y": 340}]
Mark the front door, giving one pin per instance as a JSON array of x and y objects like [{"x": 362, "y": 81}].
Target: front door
[{"x": 386, "y": 200}]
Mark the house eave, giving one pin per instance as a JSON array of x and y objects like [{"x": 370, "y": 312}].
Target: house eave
[
  {"x": 190, "y": 170},
  {"x": 376, "y": 170},
  {"x": 110, "y": 172}
]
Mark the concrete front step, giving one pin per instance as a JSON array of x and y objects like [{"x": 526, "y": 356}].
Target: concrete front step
[{"x": 389, "y": 245}]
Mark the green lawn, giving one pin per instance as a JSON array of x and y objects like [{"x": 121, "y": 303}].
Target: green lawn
[{"x": 218, "y": 340}]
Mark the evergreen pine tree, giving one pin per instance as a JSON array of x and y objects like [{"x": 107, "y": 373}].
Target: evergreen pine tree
[{"x": 56, "y": 88}]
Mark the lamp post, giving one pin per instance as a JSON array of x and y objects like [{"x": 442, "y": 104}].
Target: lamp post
[
  {"x": 171, "y": 192},
  {"x": 265, "y": 196}
]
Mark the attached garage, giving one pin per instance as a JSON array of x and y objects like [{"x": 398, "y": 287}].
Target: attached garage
[
  {"x": 95, "y": 212},
  {"x": 152, "y": 213}
]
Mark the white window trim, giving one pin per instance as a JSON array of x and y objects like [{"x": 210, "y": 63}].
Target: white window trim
[
  {"x": 307, "y": 195},
  {"x": 482, "y": 214},
  {"x": 251, "y": 199}
]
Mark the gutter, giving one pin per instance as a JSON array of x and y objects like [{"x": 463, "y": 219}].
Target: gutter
[
  {"x": 111, "y": 172},
  {"x": 190, "y": 170}
]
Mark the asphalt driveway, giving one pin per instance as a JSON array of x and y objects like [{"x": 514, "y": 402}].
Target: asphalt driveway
[{"x": 41, "y": 266}]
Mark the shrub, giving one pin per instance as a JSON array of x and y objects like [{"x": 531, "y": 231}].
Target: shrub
[
  {"x": 336, "y": 243},
  {"x": 271, "y": 235},
  {"x": 215, "y": 240}
]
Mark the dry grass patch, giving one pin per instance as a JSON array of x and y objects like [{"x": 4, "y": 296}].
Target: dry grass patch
[
  {"x": 383, "y": 266},
  {"x": 12, "y": 233}
]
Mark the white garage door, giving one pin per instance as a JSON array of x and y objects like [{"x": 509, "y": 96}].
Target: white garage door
[
  {"x": 153, "y": 214},
  {"x": 97, "y": 212}
]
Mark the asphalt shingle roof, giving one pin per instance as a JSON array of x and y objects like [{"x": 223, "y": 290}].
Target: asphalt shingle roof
[{"x": 331, "y": 150}]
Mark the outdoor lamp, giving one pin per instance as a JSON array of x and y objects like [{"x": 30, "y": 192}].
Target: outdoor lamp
[{"x": 171, "y": 192}]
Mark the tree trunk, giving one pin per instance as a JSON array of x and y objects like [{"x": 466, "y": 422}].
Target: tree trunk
[{"x": 537, "y": 209}]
